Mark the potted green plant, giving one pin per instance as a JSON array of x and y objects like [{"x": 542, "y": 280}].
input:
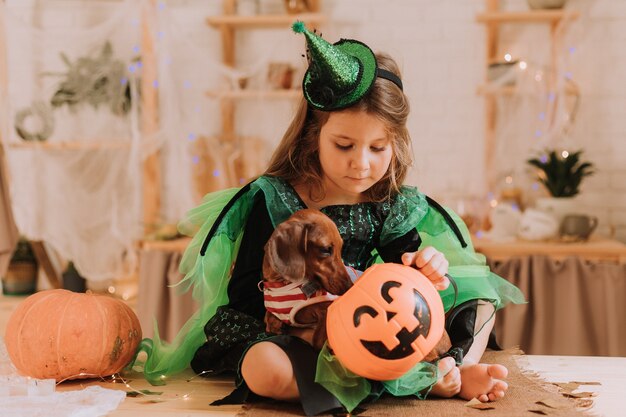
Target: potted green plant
[
  {"x": 561, "y": 174},
  {"x": 21, "y": 276}
]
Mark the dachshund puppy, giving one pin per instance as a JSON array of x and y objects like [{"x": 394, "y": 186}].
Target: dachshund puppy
[{"x": 302, "y": 273}]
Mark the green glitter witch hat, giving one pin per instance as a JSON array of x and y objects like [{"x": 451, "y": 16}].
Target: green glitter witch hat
[{"x": 339, "y": 74}]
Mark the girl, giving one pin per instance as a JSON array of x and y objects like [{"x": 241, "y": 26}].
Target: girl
[{"x": 346, "y": 153}]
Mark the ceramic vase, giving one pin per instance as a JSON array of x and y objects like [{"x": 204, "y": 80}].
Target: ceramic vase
[{"x": 558, "y": 207}]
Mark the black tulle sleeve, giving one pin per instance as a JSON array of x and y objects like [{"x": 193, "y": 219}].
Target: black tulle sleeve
[
  {"x": 392, "y": 252},
  {"x": 243, "y": 292}
]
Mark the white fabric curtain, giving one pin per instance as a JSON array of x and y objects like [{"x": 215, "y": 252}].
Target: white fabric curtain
[
  {"x": 72, "y": 124},
  {"x": 71, "y": 129}
]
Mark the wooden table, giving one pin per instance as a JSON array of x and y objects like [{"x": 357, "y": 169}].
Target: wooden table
[
  {"x": 593, "y": 268},
  {"x": 610, "y": 372},
  {"x": 184, "y": 395},
  {"x": 596, "y": 249},
  {"x": 191, "y": 398},
  {"x": 158, "y": 298},
  {"x": 576, "y": 296}
]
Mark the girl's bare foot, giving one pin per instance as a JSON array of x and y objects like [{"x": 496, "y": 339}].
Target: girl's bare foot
[
  {"x": 483, "y": 381},
  {"x": 449, "y": 383}
]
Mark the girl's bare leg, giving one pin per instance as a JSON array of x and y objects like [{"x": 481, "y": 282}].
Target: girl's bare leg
[
  {"x": 267, "y": 370},
  {"x": 479, "y": 380}
]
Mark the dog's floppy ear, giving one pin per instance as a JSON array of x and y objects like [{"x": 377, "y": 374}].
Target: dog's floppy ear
[{"x": 285, "y": 250}]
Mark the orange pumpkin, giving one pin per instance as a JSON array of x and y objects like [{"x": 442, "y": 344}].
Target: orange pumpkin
[
  {"x": 65, "y": 335},
  {"x": 386, "y": 323}
]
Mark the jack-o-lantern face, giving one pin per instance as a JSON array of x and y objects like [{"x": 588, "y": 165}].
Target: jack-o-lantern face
[
  {"x": 386, "y": 323},
  {"x": 412, "y": 314}
]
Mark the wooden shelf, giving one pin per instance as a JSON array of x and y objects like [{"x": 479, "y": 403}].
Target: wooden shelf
[
  {"x": 255, "y": 94},
  {"x": 264, "y": 21},
  {"x": 71, "y": 145},
  {"x": 228, "y": 24},
  {"x": 493, "y": 18},
  {"x": 486, "y": 90},
  {"x": 176, "y": 245},
  {"x": 530, "y": 16}
]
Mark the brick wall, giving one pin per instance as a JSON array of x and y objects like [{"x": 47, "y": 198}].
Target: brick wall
[{"x": 441, "y": 50}]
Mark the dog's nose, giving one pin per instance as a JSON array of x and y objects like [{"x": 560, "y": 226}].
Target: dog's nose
[{"x": 345, "y": 283}]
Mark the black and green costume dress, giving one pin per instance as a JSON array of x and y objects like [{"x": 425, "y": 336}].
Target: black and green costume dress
[{"x": 224, "y": 271}]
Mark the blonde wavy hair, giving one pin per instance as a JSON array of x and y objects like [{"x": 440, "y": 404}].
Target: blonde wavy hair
[{"x": 296, "y": 159}]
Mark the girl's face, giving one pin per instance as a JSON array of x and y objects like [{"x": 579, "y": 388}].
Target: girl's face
[{"x": 355, "y": 153}]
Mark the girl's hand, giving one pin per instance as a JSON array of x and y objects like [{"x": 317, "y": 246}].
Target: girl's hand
[{"x": 430, "y": 262}]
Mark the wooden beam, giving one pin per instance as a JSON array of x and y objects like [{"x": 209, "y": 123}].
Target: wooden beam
[
  {"x": 264, "y": 21},
  {"x": 256, "y": 94},
  {"x": 150, "y": 122},
  {"x": 531, "y": 16},
  {"x": 44, "y": 261},
  {"x": 490, "y": 101},
  {"x": 71, "y": 145},
  {"x": 8, "y": 229},
  {"x": 228, "y": 33}
]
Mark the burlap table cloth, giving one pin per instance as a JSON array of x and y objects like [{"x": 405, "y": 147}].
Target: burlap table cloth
[{"x": 525, "y": 390}]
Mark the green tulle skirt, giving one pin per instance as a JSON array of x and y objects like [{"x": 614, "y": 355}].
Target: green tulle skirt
[{"x": 207, "y": 276}]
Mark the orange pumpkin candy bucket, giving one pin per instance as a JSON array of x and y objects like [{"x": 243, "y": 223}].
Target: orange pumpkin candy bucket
[
  {"x": 65, "y": 335},
  {"x": 386, "y": 323}
]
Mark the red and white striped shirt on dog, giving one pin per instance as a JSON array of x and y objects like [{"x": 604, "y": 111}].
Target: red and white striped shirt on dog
[
  {"x": 281, "y": 298},
  {"x": 284, "y": 299}
]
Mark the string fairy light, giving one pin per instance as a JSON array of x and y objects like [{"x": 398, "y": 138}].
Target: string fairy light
[
  {"x": 88, "y": 375},
  {"x": 200, "y": 374},
  {"x": 134, "y": 392}
]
